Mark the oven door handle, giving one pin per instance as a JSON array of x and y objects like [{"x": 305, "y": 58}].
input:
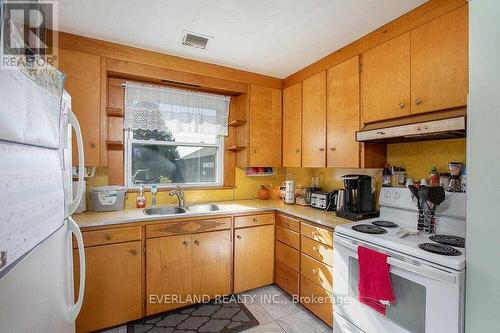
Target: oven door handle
[{"x": 423, "y": 270}]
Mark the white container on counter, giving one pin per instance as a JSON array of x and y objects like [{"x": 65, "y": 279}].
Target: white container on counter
[{"x": 107, "y": 198}]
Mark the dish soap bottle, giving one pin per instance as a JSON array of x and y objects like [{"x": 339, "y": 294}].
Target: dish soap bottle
[
  {"x": 154, "y": 190},
  {"x": 140, "y": 202},
  {"x": 386, "y": 176}
]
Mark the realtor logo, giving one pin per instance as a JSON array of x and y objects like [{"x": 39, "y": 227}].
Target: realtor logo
[{"x": 26, "y": 31}]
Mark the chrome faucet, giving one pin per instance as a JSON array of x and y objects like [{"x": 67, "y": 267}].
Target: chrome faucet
[{"x": 180, "y": 195}]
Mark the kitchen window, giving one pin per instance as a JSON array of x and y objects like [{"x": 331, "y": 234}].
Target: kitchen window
[{"x": 174, "y": 137}]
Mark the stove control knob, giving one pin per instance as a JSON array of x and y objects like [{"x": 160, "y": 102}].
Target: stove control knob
[
  {"x": 396, "y": 195},
  {"x": 387, "y": 194}
]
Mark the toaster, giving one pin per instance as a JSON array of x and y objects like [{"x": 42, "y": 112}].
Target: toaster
[{"x": 323, "y": 200}]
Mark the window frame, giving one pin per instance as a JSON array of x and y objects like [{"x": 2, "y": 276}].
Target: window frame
[{"x": 129, "y": 140}]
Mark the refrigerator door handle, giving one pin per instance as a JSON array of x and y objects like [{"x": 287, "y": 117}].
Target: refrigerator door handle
[
  {"x": 73, "y": 121},
  {"x": 73, "y": 227}
]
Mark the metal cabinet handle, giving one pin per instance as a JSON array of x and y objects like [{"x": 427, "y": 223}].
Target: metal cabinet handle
[
  {"x": 333, "y": 148},
  {"x": 322, "y": 149},
  {"x": 133, "y": 252},
  {"x": 185, "y": 243},
  {"x": 93, "y": 145},
  {"x": 238, "y": 236},
  {"x": 402, "y": 105},
  {"x": 285, "y": 277},
  {"x": 315, "y": 249},
  {"x": 418, "y": 101},
  {"x": 196, "y": 243},
  {"x": 315, "y": 271},
  {"x": 297, "y": 150},
  {"x": 254, "y": 219},
  {"x": 108, "y": 236}
]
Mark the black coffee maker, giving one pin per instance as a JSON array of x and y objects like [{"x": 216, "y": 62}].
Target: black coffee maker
[{"x": 359, "y": 198}]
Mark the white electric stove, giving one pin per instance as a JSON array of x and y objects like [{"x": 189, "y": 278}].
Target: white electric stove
[{"x": 429, "y": 286}]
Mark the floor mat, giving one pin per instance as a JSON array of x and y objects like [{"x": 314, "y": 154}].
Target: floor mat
[{"x": 210, "y": 317}]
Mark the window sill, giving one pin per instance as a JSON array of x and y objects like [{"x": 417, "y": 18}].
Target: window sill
[{"x": 186, "y": 189}]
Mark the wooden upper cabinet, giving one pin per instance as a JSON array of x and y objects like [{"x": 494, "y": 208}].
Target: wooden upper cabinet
[
  {"x": 292, "y": 125},
  {"x": 439, "y": 63},
  {"x": 253, "y": 257},
  {"x": 314, "y": 121},
  {"x": 343, "y": 114},
  {"x": 113, "y": 285},
  {"x": 83, "y": 83},
  {"x": 386, "y": 80},
  {"x": 265, "y": 127}
]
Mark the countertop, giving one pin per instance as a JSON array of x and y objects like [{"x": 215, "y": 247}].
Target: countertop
[{"x": 98, "y": 219}]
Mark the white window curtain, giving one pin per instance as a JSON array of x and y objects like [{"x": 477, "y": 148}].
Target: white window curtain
[{"x": 180, "y": 111}]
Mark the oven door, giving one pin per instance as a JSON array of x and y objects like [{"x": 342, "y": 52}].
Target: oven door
[{"x": 428, "y": 299}]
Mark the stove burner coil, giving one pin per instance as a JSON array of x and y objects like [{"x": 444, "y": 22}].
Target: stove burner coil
[
  {"x": 385, "y": 224},
  {"x": 439, "y": 249},
  {"x": 369, "y": 229},
  {"x": 450, "y": 240}
]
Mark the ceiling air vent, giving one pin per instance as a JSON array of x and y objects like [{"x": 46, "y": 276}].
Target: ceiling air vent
[{"x": 194, "y": 40}]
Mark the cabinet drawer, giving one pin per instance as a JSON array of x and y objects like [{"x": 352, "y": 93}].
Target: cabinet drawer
[
  {"x": 287, "y": 278},
  {"x": 288, "y": 237},
  {"x": 317, "y": 250},
  {"x": 319, "y": 234},
  {"x": 317, "y": 272},
  {"x": 253, "y": 220},
  {"x": 288, "y": 255},
  {"x": 187, "y": 227},
  {"x": 110, "y": 236},
  {"x": 288, "y": 222},
  {"x": 317, "y": 300}
]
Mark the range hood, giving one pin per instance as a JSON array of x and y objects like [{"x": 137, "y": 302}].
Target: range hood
[{"x": 431, "y": 130}]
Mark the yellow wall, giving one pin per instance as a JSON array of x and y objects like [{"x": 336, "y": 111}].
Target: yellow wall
[{"x": 419, "y": 157}]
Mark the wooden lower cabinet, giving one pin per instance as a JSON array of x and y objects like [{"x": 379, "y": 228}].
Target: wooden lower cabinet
[
  {"x": 183, "y": 269},
  {"x": 113, "y": 292},
  {"x": 211, "y": 263},
  {"x": 317, "y": 300},
  {"x": 253, "y": 257},
  {"x": 287, "y": 278}
]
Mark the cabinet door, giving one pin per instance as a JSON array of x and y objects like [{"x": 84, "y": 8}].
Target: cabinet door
[
  {"x": 386, "y": 80},
  {"x": 292, "y": 126},
  {"x": 265, "y": 126},
  {"x": 439, "y": 63},
  {"x": 113, "y": 290},
  {"x": 314, "y": 121},
  {"x": 168, "y": 273},
  {"x": 343, "y": 115},
  {"x": 211, "y": 263},
  {"x": 83, "y": 82},
  {"x": 253, "y": 257}
]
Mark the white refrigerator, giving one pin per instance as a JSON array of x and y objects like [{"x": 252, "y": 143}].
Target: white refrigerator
[{"x": 36, "y": 203}]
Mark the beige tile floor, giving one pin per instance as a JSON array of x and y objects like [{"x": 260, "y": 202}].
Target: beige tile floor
[{"x": 276, "y": 313}]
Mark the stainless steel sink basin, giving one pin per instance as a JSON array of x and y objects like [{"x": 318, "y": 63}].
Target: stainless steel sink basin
[
  {"x": 202, "y": 208},
  {"x": 164, "y": 211}
]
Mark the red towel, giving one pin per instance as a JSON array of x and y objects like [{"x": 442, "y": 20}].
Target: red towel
[{"x": 374, "y": 283}]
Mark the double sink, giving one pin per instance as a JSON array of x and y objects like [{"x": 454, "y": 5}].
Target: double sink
[{"x": 194, "y": 209}]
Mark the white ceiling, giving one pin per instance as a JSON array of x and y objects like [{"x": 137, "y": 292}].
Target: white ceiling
[{"x": 272, "y": 37}]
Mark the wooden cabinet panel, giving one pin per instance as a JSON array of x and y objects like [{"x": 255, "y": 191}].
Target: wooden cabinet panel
[
  {"x": 288, "y": 222},
  {"x": 287, "y": 278},
  {"x": 211, "y": 263},
  {"x": 319, "y": 234},
  {"x": 109, "y": 236},
  {"x": 320, "y": 300},
  {"x": 253, "y": 220},
  {"x": 113, "y": 288},
  {"x": 317, "y": 250},
  {"x": 314, "y": 121},
  {"x": 168, "y": 272},
  {"x": 288, "y": 237},
  {"x": 343, "y": 115},
  {"x": 265, "y": 126},
  {"x": 288, "y": 255},
  {"x": 439, "y": 63},
  {"x": 83, "y": 83},
  {"x": 385, "y": 80},
  {"x": 253, "y": 257},
  {"x": 317, "y": 272},
  {"x": 292, "y": 126},
  {"x": 170, "y": 228}
]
